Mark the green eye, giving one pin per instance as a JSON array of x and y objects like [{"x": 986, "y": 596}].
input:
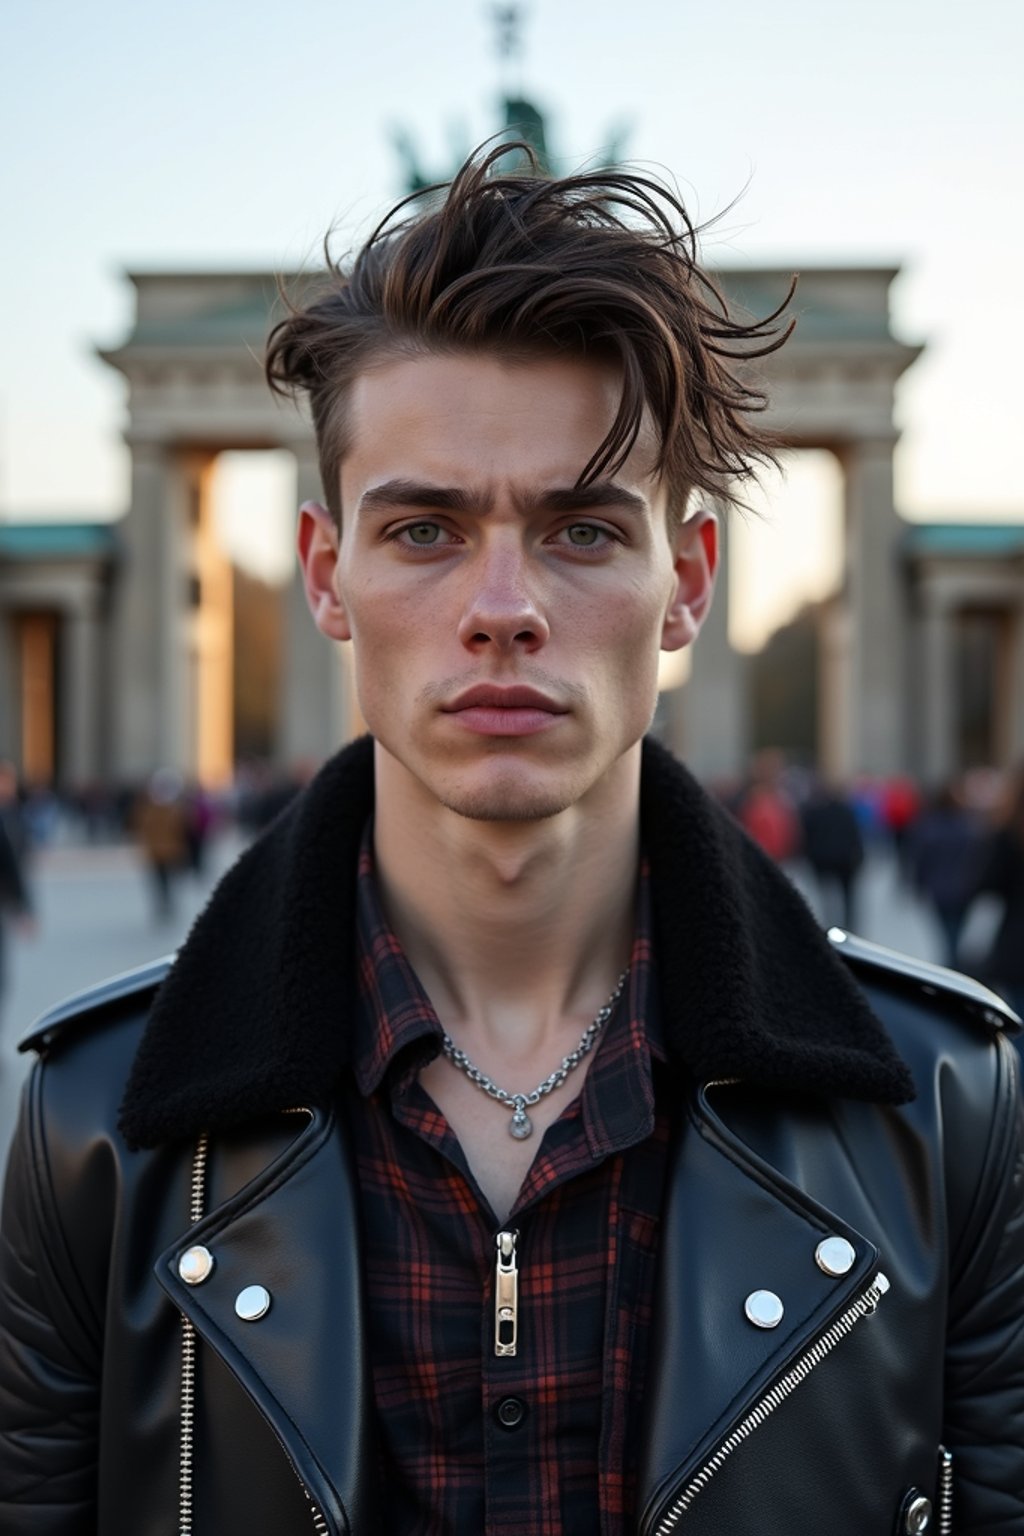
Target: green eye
[
  {"x": 583, "y": 535},
  {"x": 423, "y": 533}
]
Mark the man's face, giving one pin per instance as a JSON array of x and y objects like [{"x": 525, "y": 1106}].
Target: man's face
[{"x": 506, "y": 627}]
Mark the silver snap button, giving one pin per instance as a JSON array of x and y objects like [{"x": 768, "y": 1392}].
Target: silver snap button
[
  {"x": 764, "y": 1309},
  {"x": 835, "y": 1256},
  {"x": 195, "y": 1265},
  {"x": 252, "y": 1303},
  {"x": 917, "y": 1514}
]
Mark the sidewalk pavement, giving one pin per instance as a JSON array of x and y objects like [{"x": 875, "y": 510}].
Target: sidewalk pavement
[{"x": 94, "y": 918}]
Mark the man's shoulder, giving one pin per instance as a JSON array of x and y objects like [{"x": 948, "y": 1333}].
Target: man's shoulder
[
  {"x": 121, "y": 998},
  {"x": 85, "y": 1047},
  {"x": 954, "y": 1035},
  {"x": 950, "y": 1029},
  {"x": 877, "y": 967}
]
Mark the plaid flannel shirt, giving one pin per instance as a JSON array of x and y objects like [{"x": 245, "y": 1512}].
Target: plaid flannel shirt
[{"x": 542, "y": 1443}]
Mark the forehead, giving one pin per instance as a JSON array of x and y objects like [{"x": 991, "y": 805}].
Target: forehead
[{"x": 481, "y": 417}]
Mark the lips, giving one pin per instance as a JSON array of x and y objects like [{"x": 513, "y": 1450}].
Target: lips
[
  {"x": 488, "y": 696},
  {"x": 487, "y": 710}
]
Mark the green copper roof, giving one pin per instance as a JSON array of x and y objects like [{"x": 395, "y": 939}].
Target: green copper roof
[
  {"x": 991, "y": 540},
  {"x": 240, "y": 324},
  {"x": 818, "y": 316},
  {"x": 247, "y": 304},
  {"x": 56, "y": 541}
]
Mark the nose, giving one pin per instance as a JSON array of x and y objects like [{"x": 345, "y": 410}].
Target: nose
[{"x": 501, "y": 609}]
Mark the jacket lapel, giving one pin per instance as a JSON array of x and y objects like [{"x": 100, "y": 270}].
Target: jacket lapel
[
  {"x": 732, "y": 1226},
  {"x": 294, "y": 1231}
]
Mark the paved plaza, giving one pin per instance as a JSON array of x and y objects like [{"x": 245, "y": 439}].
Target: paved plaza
[{"x": 95, "y": 918}]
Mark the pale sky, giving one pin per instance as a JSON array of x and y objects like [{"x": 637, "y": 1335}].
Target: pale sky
[{"x": 210, "y": 133}]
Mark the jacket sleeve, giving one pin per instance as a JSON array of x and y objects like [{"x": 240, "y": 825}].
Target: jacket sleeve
[
  {"x": 984, "y": 1412},
  {"x": 48, "y": 1354}
]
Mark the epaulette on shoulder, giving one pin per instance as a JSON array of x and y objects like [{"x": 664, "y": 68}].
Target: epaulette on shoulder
[
  {"x": 976, "y": 1001},
  {"x": 84, "y": 1007}
]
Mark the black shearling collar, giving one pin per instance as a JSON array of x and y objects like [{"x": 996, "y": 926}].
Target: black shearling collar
[{"x": 254, "y": 1016}]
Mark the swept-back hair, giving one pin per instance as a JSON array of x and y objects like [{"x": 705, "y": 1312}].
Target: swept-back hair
[{"x": 602, "y": 264}]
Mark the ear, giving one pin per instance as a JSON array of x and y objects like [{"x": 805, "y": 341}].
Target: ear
[
  {"x": 696, "y": 562},
  {"x": 318, "y": 542}
]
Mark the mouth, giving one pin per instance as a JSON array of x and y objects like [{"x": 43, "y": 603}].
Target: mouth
[{"x": 488, "y": 710}]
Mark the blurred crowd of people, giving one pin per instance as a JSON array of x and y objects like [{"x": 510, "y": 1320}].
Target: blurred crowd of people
[
  {"x": 962, "y": 842},
  {"x": 953, "y": 846},
  {"x": 168, "y": 818},
  {"x": 15, "y": 900}
]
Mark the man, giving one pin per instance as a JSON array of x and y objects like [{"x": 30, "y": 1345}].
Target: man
[
  {"x": 15, "y": 898},
  {"x": 833, "y": 846},
  {"x": 507, "y": 1150}
]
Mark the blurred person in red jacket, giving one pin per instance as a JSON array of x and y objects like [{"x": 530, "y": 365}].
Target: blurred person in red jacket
[{"x": 766, "y": 810}]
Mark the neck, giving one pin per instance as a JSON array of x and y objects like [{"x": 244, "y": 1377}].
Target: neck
[{"x": 517, "y": 930}]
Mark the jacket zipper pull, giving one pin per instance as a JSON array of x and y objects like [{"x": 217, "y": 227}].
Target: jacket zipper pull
[{"x": 506, "y": 1294}]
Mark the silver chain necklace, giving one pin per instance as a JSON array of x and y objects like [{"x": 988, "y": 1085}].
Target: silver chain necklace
[{"x": 521, "y": 1125}]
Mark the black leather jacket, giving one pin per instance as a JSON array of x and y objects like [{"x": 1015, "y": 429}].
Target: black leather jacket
[{"x": 133, "y": 1401}]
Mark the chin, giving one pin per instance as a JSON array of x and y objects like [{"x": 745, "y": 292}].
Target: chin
[
  {"x": 484, "y": 805},
  {"x": 506, "y": 793}
]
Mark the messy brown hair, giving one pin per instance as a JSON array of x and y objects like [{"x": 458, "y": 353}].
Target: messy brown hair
[{"x": 601, "y": 264}]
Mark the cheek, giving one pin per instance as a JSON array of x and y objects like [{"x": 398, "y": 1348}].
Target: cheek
[
  {"x": 624, "y": 631},
  {"x": 390, "y": 644},
  {"x": 626, "y": 657}
]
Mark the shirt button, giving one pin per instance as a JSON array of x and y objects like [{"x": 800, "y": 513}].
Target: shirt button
[{"x": 510, "y": 1412}]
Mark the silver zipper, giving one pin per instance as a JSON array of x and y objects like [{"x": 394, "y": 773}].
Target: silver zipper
[
  {"x": 197, "y": 1196},
  {"x": 319, "y": 1523},
  {"x": 506, "y": 1294},
  {"x": 197, "y": 1200},
  {"x": 823, "y": 1346},
  {"x": 945, "y": 1492}
]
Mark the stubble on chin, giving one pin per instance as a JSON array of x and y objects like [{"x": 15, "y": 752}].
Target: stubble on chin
[
  {"x": 507, "y": 791},
  {"x": 487, "y": 804}
]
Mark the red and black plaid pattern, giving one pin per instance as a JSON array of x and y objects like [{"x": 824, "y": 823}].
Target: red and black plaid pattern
[{"x": 587, "y": 1216}]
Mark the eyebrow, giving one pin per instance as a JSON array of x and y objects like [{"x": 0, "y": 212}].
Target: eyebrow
[{"x": 453, "y": 498}]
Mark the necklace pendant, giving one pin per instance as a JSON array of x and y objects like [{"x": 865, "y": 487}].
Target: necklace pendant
[{"x": 520, "y": 1126}]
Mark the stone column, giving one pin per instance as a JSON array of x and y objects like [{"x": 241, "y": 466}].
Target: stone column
[
  {"x": 709, "y": 718},
  {"x": 149, "y": 660},
  {"x": 939, "y": 718},
  {"x": 81, "y": 703},
  {"x": 833, "y": 701},
  {"x": 210, "y": 631},
  {"x": 317, "y": 696},
  {"x": 876, "y": 596}
]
